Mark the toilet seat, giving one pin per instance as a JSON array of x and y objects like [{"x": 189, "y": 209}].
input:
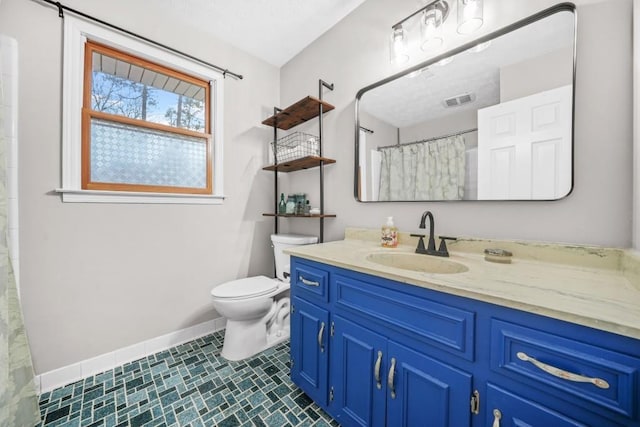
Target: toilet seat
[{"x": 245, "y": 288}]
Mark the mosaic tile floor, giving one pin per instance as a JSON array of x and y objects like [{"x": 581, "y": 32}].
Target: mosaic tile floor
[{"x": 187, "y": 385}]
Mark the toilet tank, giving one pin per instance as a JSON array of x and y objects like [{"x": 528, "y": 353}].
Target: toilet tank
[{"x": 281, "y": 242}]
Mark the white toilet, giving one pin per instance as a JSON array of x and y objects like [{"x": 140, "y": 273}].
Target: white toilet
[{"x": 257, "y": 308}]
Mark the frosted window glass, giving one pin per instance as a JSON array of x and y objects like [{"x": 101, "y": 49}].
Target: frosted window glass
[{"x": 126, "y": 154}]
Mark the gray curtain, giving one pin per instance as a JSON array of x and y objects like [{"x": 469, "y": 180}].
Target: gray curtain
[
  {"x": 18, "y": 398},
  {"x": 432, "y": 170}
]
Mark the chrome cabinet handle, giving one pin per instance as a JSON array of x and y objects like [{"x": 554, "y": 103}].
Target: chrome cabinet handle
[
  {"x": 320, "y": 337},
  {"x": 390, "y": 379},
  {"x": 497, "y": 416},
  {"x": 561, "y": 373},
  {"x": 376, "y": 371},
  {"x": 309, "y": 282},
  {"x": 475, "y": 402}
]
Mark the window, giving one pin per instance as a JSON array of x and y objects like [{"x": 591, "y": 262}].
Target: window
[
  {"x": 145, "y": 127},
  {"x": 140, "y": 124}
]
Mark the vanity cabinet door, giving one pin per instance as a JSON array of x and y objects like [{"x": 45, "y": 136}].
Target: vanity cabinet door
[
  {"x": 422, "y": 391},
  {"x": 358, "y": 373},
  {"x": 309, "y": 349}
]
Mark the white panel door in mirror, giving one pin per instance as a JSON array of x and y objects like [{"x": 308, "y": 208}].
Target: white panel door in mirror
[{"x": 536, "y": 132}]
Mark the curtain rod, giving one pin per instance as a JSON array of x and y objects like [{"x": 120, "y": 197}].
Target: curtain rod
[
  {"x": 62, "y": 8},
  {"x": 366, "y": 130},
  {"x": 430, "y": 139}
]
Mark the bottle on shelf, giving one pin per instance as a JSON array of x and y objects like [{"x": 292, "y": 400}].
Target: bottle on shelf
[
  {"x": 282, "y": 206},
  {"x": 291, "y": 205},
  {"x": 307, "y": 208}
]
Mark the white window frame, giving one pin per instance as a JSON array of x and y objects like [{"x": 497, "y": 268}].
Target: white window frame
[{"x": 76, "y": 33}]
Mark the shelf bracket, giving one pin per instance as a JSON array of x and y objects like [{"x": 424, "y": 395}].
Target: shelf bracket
[{"x": 321, "y": 84}]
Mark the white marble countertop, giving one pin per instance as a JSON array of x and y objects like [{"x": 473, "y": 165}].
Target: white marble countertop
[{"x": 590, "y": 286}]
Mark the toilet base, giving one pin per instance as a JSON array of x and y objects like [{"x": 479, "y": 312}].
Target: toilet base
[{"x": 243, "y": 339}]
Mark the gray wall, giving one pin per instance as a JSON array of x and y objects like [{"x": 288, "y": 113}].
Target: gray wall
[
  {"x": 444, "y": 126},
  {"x": 545, "y": 72},
  {"x": 598, "y": 211},
  {"x": 383, "y": 134},
  {"x": 98, "y": 277}
]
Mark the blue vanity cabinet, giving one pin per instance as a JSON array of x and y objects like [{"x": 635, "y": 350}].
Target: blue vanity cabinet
[
  {"x": 376, "y": 352},
  {"x": 357, "y": 351}
]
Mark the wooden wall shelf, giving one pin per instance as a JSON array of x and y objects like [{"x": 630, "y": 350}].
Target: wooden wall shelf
[
  {"x": 300, "y": 112},
  {"x": 304, "y": 110},
  {"x": 299, "y": 164}
]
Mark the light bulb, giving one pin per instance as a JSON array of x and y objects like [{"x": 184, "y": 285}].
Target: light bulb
[
  {"x": 431, "y": 29},
  {"x": 469, "y": 16},
  {"x": 398, "y": 46}
]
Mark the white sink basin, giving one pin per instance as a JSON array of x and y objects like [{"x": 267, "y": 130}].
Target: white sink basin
[{"x": 418, "y": 262}]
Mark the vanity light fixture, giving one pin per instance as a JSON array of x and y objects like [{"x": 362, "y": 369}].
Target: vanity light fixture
[
  {"x": 432, "y": 16},
  {"x": 470, "y": 16},
  {"x": 399, "y": 45}
]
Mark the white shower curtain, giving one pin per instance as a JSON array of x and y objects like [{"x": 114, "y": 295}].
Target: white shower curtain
[
  {"x": 432, "y": 170},
  {"x": 18, "y": 398}
]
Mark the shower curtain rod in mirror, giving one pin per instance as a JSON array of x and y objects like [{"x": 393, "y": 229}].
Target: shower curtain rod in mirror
[
  {"x": 429, "y": 139},
  {"x": 62, "y": 8}
]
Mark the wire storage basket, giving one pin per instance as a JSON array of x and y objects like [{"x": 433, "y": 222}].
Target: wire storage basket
[{"x": 295, "y": 146}]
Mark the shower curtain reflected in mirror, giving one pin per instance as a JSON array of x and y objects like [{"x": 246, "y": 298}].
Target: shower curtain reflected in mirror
[
  {"x": 18, "y": 398},
  {"x": 433, "y": 170}
]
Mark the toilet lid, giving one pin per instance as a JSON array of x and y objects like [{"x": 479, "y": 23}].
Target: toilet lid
[{"x": 244, "y": 288}]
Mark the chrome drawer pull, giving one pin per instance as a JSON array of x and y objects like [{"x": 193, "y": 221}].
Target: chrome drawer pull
[
  {"x": 320, "y": 337},
  {"x": 308, "y": 282},
  {"x": 497, "y": 416},
  {"x": 376, "y": 371},
  {"x": 390, "y": 379},
  {"x": 560, "y": 373}
]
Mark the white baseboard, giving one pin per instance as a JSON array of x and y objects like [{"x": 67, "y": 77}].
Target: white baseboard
[{"x": 68, "y": 374}]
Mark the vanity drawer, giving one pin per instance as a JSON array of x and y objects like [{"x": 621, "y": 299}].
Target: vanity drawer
[
  {"x": 573, "y": 370},
  {"x": 311, "y": 281},
  {"x": 432, "y": 323},
  {"x": 510, "y": 409}
]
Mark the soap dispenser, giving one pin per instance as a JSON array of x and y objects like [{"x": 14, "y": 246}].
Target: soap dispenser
[{"x": 389, "y": 237}]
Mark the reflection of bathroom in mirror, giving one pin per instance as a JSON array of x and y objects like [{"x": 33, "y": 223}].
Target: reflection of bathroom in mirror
[{"x": 492, "y": 121}]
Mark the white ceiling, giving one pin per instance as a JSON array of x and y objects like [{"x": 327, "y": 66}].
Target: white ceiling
[{"x": 273, "y": 30}]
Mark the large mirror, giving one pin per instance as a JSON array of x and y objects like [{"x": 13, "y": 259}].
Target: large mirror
[{"x": 491, "y": 121}]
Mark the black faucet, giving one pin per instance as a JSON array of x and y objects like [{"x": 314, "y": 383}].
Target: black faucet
[{"x": 431, "y": 245}]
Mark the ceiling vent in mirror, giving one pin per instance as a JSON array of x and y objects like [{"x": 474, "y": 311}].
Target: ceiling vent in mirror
[{"x": 458, "y": 100}]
